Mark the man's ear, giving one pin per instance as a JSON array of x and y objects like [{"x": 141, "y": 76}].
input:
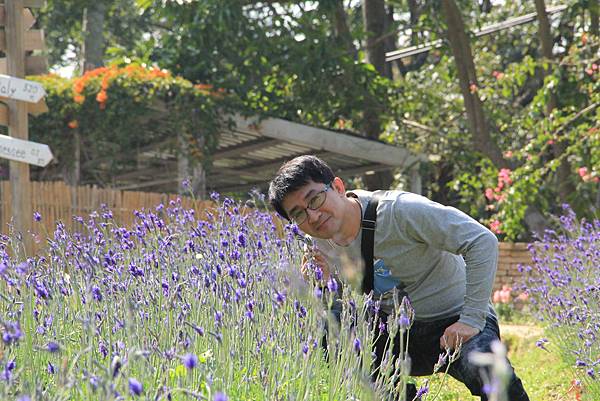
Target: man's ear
[{"x": 339, "y": 186}]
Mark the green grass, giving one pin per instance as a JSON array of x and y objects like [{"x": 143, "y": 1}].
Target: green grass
[{"x": 544, "y": 375}]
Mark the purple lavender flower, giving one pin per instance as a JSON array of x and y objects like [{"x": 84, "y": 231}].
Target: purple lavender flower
[
  {"x": 102, "y": 349},
  {"x": 190, "y": 361},
  {"x": 135, "y": 387},
  {"x": 198, "y": 330},
  {"x": 115, "y": 366},
  {"x": 242, "y": 240},
  {"x": 6, "y": 372},
  {"x": 51, "y": 368},
  {"x": 332, "y": 285},
  {"x": 218, "y": 317},
  {"x": 357, "y": 345},
  {"x": 424, "y": 389},
  {"x": 279, "y": 297},
  {"x": 541, "y": 343},
  {"x": 403, "y": 322},
  {"x": 12, "y": 333},
  {"x": 37, "y": 216},
  {"x": 220, "y": 397},
  {"x": 94, "y": 382},
  {"x": 53, "y": 347}
]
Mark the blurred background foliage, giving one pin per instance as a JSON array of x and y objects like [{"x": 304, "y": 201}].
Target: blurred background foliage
[{"x": 320, "y": 63}]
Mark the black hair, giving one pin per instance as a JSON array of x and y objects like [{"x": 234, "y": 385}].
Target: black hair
[{"x": 293, "y": 175}]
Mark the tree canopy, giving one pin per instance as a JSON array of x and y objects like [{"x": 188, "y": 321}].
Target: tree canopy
[{"x": 510, "y": 119}]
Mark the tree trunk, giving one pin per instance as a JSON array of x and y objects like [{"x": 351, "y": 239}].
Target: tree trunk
[
  {"x": 189, "y": 171},
  {"x": 92, "y": 52},
  {"x": 594, "y": 18},
  {"x": 482, "y": 140},
  {"x": 342, "y": 32},
  {"x": 563, "y": 172},
  {"x": 72, "y": 172},
  {"x": 463, "y": 57},
  {"x": 485, "y": 6},
  {"x": 374, "y": 16},
  {"x": 92, "y": 56}
]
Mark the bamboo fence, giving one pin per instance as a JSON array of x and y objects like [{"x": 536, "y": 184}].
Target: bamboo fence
[{"x": 57, "y": 201}]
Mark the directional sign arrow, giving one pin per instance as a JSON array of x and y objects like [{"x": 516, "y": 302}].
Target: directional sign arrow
[
  {"x": 28, "y": 152},
  {"x": 21, "y": 89}
]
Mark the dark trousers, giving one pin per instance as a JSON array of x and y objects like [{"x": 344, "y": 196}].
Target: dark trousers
[{"x": 424, "y": 350}]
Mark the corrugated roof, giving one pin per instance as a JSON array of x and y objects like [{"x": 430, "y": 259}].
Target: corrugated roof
[{"x": 249, "y": 155}]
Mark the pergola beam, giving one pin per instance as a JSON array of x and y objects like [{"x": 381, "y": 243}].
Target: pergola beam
[
  {"x": 487, "y": 30},
  {"x": 362, "y": 170},
  {"x": 326, "y": 140},
  {"x": 245, "y": 148}
]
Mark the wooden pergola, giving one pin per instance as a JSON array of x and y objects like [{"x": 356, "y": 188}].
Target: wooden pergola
[{"x": 248, "y": 156}]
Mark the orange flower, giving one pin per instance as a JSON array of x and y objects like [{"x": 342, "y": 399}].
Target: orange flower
[
  {"x": 158, "y": 73},
  {"x": 104, "y": 84},
  {"x": 79, "y": 99},
  {"x": 73, "y": 124},
  {"x": 102, "y": 96},
  {"x": 203, "y": 86},
  {"x": 218, "y": 94},
  {"x": 78, "y": 86}
]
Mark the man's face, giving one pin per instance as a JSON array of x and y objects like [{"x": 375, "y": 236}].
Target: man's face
[{"x": 324, "y": 221}]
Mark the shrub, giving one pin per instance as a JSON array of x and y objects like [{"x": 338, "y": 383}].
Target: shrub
[{"x": 564, "y": 286}]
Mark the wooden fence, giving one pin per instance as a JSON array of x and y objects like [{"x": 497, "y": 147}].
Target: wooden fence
[{"x": 56, "y": 201}]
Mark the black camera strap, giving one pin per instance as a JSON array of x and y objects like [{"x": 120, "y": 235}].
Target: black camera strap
[{"x": 368, "y": 224}]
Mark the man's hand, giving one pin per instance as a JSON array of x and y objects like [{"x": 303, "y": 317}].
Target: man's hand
[
  {"x": 457, "y": 334},
  {"x": 315, "y": 257}
]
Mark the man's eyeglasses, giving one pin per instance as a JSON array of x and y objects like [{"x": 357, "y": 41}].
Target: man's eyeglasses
[{"x": 299, "y": 216}]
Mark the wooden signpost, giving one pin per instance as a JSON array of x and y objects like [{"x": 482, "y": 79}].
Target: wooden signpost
[
  {"x": 20, "y": 89},
  {"x": 17, "y": 41},
  {"x": 22, "y": 151}
]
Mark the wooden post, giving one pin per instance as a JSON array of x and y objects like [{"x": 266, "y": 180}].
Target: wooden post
[
  {"x": 192, "y": 170},
  {"x": 17, "y": 121},
  {"x": 416, "y": 185}
]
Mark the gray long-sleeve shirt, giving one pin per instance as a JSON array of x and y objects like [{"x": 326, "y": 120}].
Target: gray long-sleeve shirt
[{"x": 444, "y": 259}]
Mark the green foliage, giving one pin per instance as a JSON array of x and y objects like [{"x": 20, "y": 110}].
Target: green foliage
[
  {"x": 117, "y": 111},
  {"x": 62, "y": 22},
  {"x": 291, "y": 60},
  {"x": 551, "y": 383}
]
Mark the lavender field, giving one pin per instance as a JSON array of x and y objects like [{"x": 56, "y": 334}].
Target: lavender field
[
  {"x": 212, "y": 307},
  {"x": 564, "y": 284},
  {"x": 176, "y": 307}
]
